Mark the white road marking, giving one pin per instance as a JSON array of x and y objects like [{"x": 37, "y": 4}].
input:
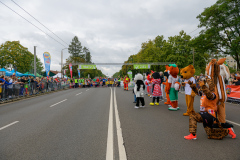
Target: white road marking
[
  {"x": 109, "y": 154},
  {"x": 8, "y": 125},
  {"x": 87, "y": 89},
  {"x": 79, "y": 93},
  {"x": 58, "y": 103},
  {"x": 122, "y": 151},
  {"x": 233, "y": 123}
]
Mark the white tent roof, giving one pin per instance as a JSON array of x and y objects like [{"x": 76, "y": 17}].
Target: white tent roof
[{"x": 59, "y": 75}]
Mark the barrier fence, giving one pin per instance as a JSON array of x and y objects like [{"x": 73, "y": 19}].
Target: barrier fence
[
  {"x": 233, "y": 92},
  {"x": 18, "y": 91}
]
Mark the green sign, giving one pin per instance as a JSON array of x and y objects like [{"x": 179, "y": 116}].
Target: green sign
[
  {"x": 130, "y": 74},
  {"x": 87, "y": 66},
  {"x": 141, "y": 66}
]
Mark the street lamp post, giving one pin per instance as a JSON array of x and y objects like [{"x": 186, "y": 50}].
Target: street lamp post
[{"x": 62, "y": 62}]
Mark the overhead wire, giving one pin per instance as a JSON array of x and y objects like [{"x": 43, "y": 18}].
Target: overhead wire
[
  {"x": 39, "y": 22},
  {"x": 200, "y": 27},
  {"x": 32, "y": 23}
]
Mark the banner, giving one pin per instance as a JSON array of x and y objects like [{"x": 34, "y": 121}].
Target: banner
[
  {"x": 70, "y": 69},
  {"x": 130, "y": 74},
  {"x": 87, "y": 66},
  {"x": 234, "y": 91},
  {"x": 78, "y": 73},
  {"x": 47, "y": 61},
  {"x": 141, "y": 66}
]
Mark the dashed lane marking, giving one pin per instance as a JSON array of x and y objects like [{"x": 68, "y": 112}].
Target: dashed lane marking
[
  {"x": 78, "y": 93},
  {"x": 58, "y": 103},
  {"x": 9, "y": 125}
]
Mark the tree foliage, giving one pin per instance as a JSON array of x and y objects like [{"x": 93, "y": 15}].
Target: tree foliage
[
  {"x": 75, "y": 48},
  {"x": 177, "y": 49},
  {"x": 12, "y": 53},
  {"x": 80, "y": 54},
  {"x": 221, "y": 31}
]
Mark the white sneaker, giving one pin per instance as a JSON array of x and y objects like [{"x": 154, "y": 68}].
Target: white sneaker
[
  {"x": 172, "y": 109},
  {"x": 142, "y": 106},
  {"x": 136, "y": 107}
]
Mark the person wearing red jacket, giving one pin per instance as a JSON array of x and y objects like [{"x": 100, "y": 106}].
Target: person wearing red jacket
[{"x": 126, "y": 81}]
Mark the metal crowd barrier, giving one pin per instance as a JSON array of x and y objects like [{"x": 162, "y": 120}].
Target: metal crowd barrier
[{"x": 18, "y": 91}]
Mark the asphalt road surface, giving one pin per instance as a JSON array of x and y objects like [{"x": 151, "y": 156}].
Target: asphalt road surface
[{"x": 102, "y": 123}]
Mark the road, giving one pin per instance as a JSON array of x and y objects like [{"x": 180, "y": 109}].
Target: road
[{"x": 102, "y": 123}]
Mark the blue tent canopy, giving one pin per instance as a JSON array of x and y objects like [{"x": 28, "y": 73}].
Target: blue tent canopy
[
  {"x": 9, "y": 73},
  {"x": 18, "y": 74},
  {"x": 3, "y": 69}
]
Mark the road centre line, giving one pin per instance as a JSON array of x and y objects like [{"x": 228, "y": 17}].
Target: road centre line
[
  {"x": 233, "y": 122},
  {"x": 58, "y": 103},
  {"x": 79, "y": 93},
  {"x": 109, "y": 154},
  {"x": 9, "y": 125},
  {"x": 121, "y": 147}
]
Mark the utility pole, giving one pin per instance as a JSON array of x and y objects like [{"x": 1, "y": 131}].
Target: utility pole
[
  {"x": 193, "y": 57},
  {"x": 35, "y": 61},
  {"x": 62, "y": 62}
]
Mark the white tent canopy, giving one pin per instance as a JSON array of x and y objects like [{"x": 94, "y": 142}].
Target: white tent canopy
[{"x": 59, "y": 75}]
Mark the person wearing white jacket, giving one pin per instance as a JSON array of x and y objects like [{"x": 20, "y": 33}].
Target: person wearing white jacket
[{"x": 139, "y": 90}]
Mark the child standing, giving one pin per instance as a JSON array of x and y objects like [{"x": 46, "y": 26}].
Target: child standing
[{"x": 139, "y": 90}]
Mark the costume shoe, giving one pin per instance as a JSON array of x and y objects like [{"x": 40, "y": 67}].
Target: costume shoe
[
  {"x": 231, "y": 132},
  {"x": 152, "y": 104},
  {"x": 190, "y": 137},
  {"x": 172, "y": 109}
]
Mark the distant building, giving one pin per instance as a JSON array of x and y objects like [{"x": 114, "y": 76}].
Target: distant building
[{"x": 231, "y": 62}]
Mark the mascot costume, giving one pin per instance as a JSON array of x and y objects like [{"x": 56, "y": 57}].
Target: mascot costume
[
  {"x": 166, "y": 75},
  {"x": 126, "y": 81},
  {"x": 148, "y": 83},
  {"x": 156, "y": 88},
  {"x": 213, "y": 70},
  {"x": 139, "y": 90},
  {"x": 208, "y": 108},
  {"x": 187, "y": 74},
  {"x": 173, "y": 87}
]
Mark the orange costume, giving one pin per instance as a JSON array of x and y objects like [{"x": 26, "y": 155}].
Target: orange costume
[
  {"x": 207, "y": 114},
  {"x": 126, "y": 81},
  {"x": 166, "y": 74}
]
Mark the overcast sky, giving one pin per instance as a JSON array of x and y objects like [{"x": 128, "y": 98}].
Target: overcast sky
[{"x": 111, "y": 29}]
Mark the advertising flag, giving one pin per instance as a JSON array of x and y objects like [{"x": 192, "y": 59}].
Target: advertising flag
[
  {"x": 79, "y": 73},
  {"x": 70, "y": 69},
  {"x": 47, "y": 61},
  {"x": 130, "y": 74}
]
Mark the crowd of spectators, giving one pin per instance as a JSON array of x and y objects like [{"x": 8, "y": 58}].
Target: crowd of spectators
[{"x": 12, "y": 86}]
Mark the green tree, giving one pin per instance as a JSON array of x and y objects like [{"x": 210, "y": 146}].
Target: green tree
[
  {"x": 12, "y": 53},
  {"x": 75, "y": 48},
  {"x": 221, "y": 24},
  {"x": 88, "y": 57}
]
